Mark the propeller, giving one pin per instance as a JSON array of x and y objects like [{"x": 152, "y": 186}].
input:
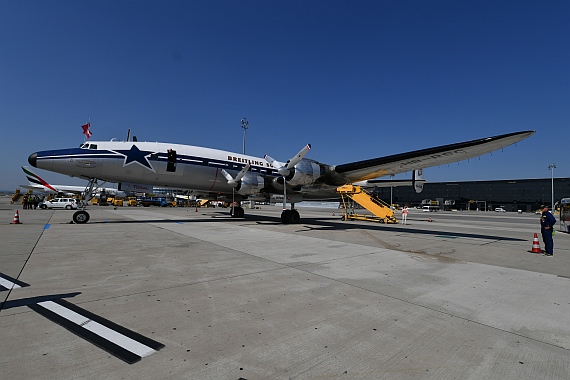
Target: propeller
[
  {"x": 234, "y": 182},
  {"x": 284, "y": 169}
]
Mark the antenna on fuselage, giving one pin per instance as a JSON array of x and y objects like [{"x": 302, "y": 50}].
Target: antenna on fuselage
[{"x": 129, "y": 135}]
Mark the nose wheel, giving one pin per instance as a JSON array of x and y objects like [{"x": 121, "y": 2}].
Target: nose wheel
[{"x": 80, "y": 217}]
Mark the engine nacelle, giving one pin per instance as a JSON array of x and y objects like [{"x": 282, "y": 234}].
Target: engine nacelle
[
  {"x": 250, "y": 184},
  {"x": 306, "y": 172}
]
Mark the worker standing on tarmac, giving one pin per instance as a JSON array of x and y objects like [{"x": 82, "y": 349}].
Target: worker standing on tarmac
[
  {"x": 405, "y": 214},
  {"x": 547, "y": 222}
]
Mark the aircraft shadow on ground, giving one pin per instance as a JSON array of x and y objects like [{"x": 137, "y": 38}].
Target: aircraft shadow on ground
[{"x": 316, "y": 224}]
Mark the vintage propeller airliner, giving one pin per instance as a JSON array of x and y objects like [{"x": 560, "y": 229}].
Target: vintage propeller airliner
[{"x": 239, "y": 176}]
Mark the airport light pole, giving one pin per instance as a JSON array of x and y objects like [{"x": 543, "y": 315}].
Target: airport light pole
[
  {"x": 551, "y": 167},
  {"x": 245, "y": 126},
  {"x": 391, "y": 187}
]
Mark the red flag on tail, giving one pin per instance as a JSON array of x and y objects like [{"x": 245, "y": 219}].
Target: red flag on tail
[{"x": 86, "y": 130}]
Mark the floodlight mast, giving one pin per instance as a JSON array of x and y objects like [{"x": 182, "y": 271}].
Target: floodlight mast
[
  {"x": 245, "y": 126},
  {"x": 551, "y": 167}
]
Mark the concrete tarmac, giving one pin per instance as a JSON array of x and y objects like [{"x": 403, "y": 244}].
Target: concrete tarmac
[{"x": 175, "y": 293}]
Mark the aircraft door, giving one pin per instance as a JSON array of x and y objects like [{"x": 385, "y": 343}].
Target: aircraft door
[{"x": 169, "y": 164}]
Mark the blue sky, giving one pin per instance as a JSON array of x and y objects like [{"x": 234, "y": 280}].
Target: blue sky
[{"x": 355, "y": 79}]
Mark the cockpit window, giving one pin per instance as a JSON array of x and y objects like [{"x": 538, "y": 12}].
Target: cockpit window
[{"x": 88, "y": 146}]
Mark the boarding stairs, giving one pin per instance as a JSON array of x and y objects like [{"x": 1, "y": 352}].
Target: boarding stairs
[
  {"x": 381, "y": 211},
  {"x": 16, "y": 196}
]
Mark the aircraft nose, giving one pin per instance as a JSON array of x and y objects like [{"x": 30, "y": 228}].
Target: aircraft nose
[{"x": 33, "y": 159}]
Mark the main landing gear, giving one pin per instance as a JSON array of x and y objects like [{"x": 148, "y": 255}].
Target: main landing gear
[
  {"x": 237, "y": 211},
  {"x": 290, "y": 216}
]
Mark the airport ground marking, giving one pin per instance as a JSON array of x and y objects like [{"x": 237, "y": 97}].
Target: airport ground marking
[
  {"x": 7, "y": 282},
  {"x": 117, "y": 340}
]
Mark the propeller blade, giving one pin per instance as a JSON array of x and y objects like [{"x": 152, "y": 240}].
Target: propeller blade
[
  {"x": 273, "y": 162},
  {"x": 295, "y": 160},
  {"x": 285, "y": 169},
  {"x": 234, "y": 181},
  {"x": 242, "y": 172},
  {"x": 229, "y": 177}
]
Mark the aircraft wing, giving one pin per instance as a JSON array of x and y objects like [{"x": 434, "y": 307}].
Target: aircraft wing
[
  {"x": 421, "y": 159},
  {"x": 385, "y": 183}
]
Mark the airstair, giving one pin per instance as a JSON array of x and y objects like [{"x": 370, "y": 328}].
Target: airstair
[
  {"x": 381, "y": 211},
  {"x": 16, "y": 196}
]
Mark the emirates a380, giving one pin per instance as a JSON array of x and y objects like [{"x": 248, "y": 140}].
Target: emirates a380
[{"x": 215, "y": 173}]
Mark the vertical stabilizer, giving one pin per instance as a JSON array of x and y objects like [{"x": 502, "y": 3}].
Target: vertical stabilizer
[
  {"x": 36, "y": 180},
  {"x": 418, "y": 180}
]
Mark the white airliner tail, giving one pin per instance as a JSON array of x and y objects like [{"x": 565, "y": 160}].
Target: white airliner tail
[{"x": 36, "y": 182}]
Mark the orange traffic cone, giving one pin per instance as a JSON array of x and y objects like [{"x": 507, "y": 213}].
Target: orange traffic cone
[
  {"x": 535, "y": 244},
  {"x": 16, "y": 218},
  {"x": 333, "y": 213},
  {"x": 430, "y": 219}
]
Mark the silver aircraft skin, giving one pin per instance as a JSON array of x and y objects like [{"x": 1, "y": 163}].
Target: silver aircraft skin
[{"x": 238, "y": 176}]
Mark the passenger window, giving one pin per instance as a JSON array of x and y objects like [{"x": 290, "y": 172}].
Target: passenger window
[{"x": 93, "y": 146}]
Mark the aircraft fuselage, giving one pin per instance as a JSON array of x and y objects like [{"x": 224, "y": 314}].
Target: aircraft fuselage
[{"x": 194, "y": 167}]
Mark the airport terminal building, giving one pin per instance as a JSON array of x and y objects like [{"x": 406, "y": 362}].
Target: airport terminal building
[{"x": 513, "y": 195}]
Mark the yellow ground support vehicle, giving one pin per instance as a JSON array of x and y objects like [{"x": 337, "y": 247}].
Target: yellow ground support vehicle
[
  {"x": 118, "y": 201},
  {"x": 132, "y": 202}
]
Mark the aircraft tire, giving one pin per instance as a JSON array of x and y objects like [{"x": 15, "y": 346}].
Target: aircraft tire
[
  {"x": 294, "y": 217},
  {"x": 285, "y": 217},
  {"x": 238, "y": 212},
  {"x": 80, "y": 217},
  {"x": 290, "y": 217}
]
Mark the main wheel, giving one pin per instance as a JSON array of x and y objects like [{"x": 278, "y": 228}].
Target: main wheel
[
  {"x": 237, "y": 212},
  {"x": 290, "y": 217},
  {"x": 81, "y": 217},
  {"x": 294, "y": 217}
]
